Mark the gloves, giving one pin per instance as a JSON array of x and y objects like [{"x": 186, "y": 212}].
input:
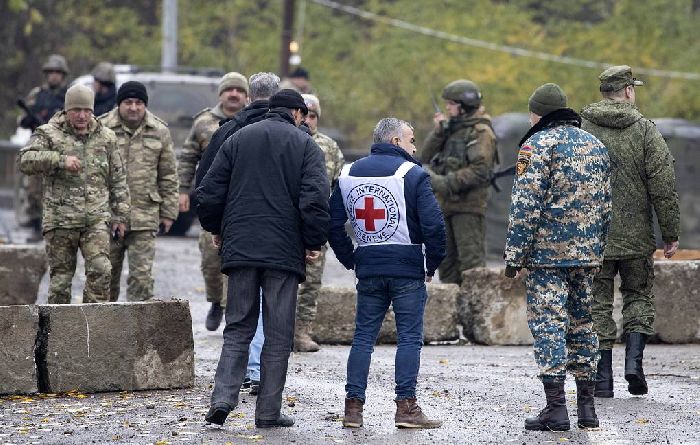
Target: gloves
[
  {"x": 439, "y": 183},
  {"x": 511, "y": 271}
]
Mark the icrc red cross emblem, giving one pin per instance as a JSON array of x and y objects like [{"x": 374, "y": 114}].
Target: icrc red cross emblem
[{"x": 373, "y": 212}]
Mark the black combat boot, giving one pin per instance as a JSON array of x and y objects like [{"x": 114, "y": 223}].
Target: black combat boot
[
  {"x": 585, "y": 404},
  {"x": 554, "y": 416},
  {"x": 604, "y": 376},
  {"x": 634, "y": 374},
  {"x": 214, "y": 316}
]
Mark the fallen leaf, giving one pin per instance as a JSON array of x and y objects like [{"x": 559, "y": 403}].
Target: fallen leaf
[
  {"x": 444, "y": 361},
  {"x": 642, "y": 421}
]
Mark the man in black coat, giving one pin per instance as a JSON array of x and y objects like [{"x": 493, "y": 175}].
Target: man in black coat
[{"x": 265, "y": 200}]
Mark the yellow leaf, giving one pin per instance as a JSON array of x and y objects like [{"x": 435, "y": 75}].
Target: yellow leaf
[
  {"x": 563, "y": 439},
  {"x": 642, "y": 421},
  {"x": 444, "y": 361}
]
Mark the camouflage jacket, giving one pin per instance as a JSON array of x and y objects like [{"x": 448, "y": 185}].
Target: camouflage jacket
[
  {"x": 334, "y": 157},
  {"x": 97, "y": 193},
  {"x": 464, "y": 154},
  {"x": 642, "y": 178},
  {"x": 560, "y": 208},
  {"x": 206, "y": 122},
  {"x": 150, "y": 169}
]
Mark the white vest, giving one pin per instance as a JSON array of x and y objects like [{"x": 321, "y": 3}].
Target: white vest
[{"x": 376, "y": 206}]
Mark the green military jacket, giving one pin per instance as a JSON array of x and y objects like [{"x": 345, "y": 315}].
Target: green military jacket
[
  {"x": 463, "y": 157},
  {"x": 150, "y": 168},
  {"x": 334, "y": 157},
  {"x": 206, "y": 122},
  {"x": 642, "y": 178},
  {"x": 97, "y": 193}
]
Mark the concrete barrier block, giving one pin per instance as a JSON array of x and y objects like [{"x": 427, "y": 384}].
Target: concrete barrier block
[
  {"x": 18, "y": 331},
  {"x": 440, "y": 322},
  {"x": 117, "y": 346},
  {"x": 21, "y": 270},
  {"x": 677, "y": 291}
]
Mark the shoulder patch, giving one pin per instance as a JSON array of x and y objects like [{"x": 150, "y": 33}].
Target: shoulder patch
[{"x": 524, "y": 155}]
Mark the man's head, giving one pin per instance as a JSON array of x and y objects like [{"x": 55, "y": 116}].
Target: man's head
[
  {"x": 293, "y": 102},
  {"x": 132, "y": 100},
  {"x": 104, "y": 76},
  {"x": 79, "y": 106},
  {"x": 55, "y": 70},
  {"x": 314, "y": 106},
  {"x": 391, "y": 130},
  {"x": 300, "y": 79},
  {"x": 263, "y": 85},
  {"x": 233, "y": 92},
  {"x": 617, "y": 83},
  {"x": 544, "y": 100},
  {"x": 461, "y": 97}
]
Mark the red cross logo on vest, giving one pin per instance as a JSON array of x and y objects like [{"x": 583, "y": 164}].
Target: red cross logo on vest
[{"x": 369, "y": 214}]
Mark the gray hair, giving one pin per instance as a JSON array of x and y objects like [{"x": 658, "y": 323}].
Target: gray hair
[
  {"x": 263, "y": 85},
  {"x": 388, "y": 128}
]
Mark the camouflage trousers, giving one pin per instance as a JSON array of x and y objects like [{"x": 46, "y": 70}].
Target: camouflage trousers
[
  {"x": 29, "y": 199},
  {"x": 211, "y": 269},
  {"x": 62, "y": 250},
  {"x": 465, "y": 246},
  {"x": 308, "y": 290},
  {"x": 638, "y": 311},
  {"x": 559, "y": 317},
  {"x": 141, "y": 245}
]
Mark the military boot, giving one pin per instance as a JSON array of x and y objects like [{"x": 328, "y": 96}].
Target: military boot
[
  {"x": 214, "y": 316},
  {"x": 554, "y": 416},
  {"x": 353, "y": 413},
  {"x": 302, "y": 338},
  {"x": 604, "y": 376},
  {"x": 634, "y": 374},
  {"x": 409, "y": 415},
  {"x": 585, "y": 404}
]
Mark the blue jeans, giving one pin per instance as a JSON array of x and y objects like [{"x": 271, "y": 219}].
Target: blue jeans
[
  {"x": 253, "y": 372},
  {"x": 374, "y": 295}
]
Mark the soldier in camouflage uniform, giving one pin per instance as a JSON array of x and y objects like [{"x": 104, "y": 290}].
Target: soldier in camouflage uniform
[
  {"x": 460, "y": 155},
  {"x": 642, "y": 179},
  {"x": 308, "y": 290},
  {"x": 559, "y": 217},
  {"x": 85, "y": 191},
  {"x": 233, "y": 96},
  {"x": 44, "y": 101},
  {"x": 147, "y": 149}
]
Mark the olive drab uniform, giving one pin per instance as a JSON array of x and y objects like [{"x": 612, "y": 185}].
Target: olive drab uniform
[
  {"x": 642, "y": 179},
  {"x": 153, "y": 185},
  {"x": 461, "y": 159},
  {"x": 559, "y": 216},
  {"x": 308, "y": 290},
  {"x": 206, "y": 122},
  {"x": 78, "y": 206}
]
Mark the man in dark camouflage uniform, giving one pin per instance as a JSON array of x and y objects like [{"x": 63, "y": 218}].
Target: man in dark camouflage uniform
[
  {"x": 559, "y": 216},
  {"x": 642, "y": 179},
  {"x": 460, "y": 155}
]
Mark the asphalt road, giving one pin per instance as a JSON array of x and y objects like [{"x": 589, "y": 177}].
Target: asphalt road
[{"x": 481, "y": 393}]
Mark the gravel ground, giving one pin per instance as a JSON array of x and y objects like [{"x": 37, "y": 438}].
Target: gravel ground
[{"x": 481, "y": 393}]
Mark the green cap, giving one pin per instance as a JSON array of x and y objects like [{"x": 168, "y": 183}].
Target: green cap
[
  {"x": 616, "y": 78},
  {"x": 547, "y": 98}
]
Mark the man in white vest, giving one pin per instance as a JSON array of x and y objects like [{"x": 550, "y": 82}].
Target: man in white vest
[{"x": 389, "y": 201}]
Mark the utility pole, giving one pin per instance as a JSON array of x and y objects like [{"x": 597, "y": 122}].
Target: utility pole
[
  {"x": 168, "y": 56},
  {"x": 287, "y": 32}
]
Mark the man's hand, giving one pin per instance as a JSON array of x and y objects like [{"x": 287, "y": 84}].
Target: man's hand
[
  {"x": 166, "y": 224},
  {"x": 216, "y": 241},
  {"x": 437, "y": 118},
  {"x": 119, "y": 229},
  {"x": 438, "y": 183},
  {"x": 184, "y": 202},
  {"x": 428, "y": 278},
  {"x": 512, "y": 272},
  {"x": 670, "y": 249},
  {"x": 312, "y": 255},
  {"x": 72, "y": 163}
]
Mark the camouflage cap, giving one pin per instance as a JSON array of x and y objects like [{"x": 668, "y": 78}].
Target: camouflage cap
[
  {"x": 616, "y": 78},
  {"x": 55, "y": 62},
  {"x": 312, "y": 103}
]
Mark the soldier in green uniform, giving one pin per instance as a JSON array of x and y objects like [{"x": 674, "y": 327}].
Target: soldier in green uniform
[
  {"x": 233, "y": 96},
  {"x": 460, "y": 154},
  {"x": 308, "y": 290},
  {"x": 84, "y": 194},
  {"x": 642, "y": 179},
  {"x": 147, "y": 149}
]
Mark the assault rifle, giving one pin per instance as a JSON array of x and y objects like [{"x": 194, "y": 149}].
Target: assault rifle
[
  {"x": 509, "y": 171},
  {"x": 31, "y": 120}
]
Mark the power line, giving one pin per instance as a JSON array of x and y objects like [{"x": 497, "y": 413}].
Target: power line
[{"x": 513, "y": 50}]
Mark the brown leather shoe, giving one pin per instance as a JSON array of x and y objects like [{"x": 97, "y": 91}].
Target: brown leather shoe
[
  {"x": 353, "y": 413},
  {"x": 302, "y": 338},
  {"x": 409, "y": 415}
]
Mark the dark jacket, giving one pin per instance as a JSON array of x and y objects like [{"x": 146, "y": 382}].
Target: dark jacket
[
  {"x": 267, "y": 195},
  {"x": 254, "y": 112},
  {"x": 104, "y": 102},
  {"x": 424, "y": 219}
]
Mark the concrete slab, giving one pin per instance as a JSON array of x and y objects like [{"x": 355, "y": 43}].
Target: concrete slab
[
  {"x": 21, "y": 269},
  {"x": 18, "y": 330}
]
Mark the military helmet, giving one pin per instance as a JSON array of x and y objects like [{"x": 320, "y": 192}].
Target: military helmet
[
  {"x": 104, "y": 72},
  {"x": 56, "y": 62},
  {"x": 464, "y": 91}
]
